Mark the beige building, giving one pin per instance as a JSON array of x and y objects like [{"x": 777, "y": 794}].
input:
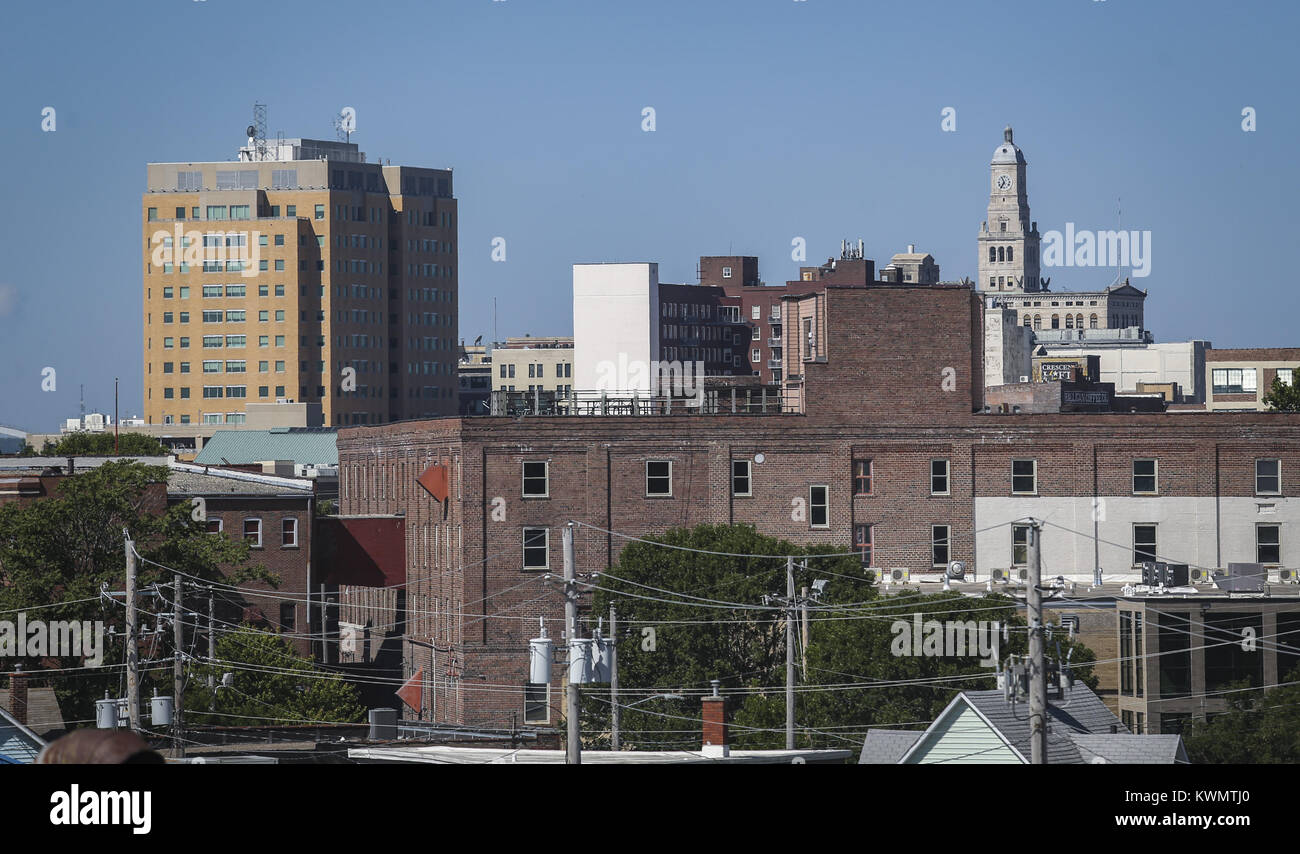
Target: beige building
[
  {"x": 533, "y": 364},
  {"x": 299, "y": 273},
  {"x": 911, "y": 267},
  {"x": 1239, "y": 379}
]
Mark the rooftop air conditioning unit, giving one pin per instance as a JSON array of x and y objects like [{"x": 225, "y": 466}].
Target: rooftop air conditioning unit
[
  {"x": 1022, "y": 573},
  {"x": 1200, "y": 575},
  {"x": 1001, "y": 576},
  {"x": 1024, "y": 379},
  {"x": 898, "y": 574},
  {"x": 1288, "y": 576}
]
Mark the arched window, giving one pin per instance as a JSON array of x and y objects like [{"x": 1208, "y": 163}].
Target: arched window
[
  {"x": 1092, "y": 322},
  {"x": 1011, "y": 253},
  {"x": 1000, "y": 253},
  {"x": 1056, "y": 321},
  {"x": 1078, "y": 321},
  {"x": 1038, "y": 321},
  {"x": 1027, "y": 322},
  {"x": 1069, "y": 321},
  {"x": 993, "y": 254}
]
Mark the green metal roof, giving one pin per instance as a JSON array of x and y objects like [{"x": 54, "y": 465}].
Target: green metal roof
[{"x": 303, "y": 445}]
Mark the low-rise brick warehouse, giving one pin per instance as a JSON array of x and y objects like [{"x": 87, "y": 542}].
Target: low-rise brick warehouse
[{"x": 883, "y": 445}]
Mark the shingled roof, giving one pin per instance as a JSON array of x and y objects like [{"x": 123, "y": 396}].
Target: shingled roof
[{"x": 1081, "y": 730}]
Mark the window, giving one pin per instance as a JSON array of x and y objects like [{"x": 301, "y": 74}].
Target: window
[
  {"x": 863, "y": 541},
  {"x": 939, "y": 535},
  {"x": 658, "y": 478},
  {"x": 819, "y": 515},
  {"x": 253, "y": 532},
  {"x": 1284, "y": 375},
  {"x": 1019, "y": 545},
  {"x": 862, "y": 477},
  {"x": 286, "y": 616},
  {"x": 320, "y": 212},
  {"x": 1227, "y": 659},
  {"x": 726, "y": 271},
  {"x": 289, "y": 533},
  {"x": 537, "y": 707},
  {"x": 536, "y": 479},
  {"x": 1268, "y": 477},
  {"x": 537, "y": 550},
  {"x": 755, "y": 312},
  {"x": 1233, "y": 380},
  {"x": 1144, "y": 476},
  {"x": 1024, "y": 477},
  {"x": 741, "y": 483},
  {"x": 1268, "y": 543},
  {"x": 938, "y": 477},
  {"x": 1144, "y": 543}
]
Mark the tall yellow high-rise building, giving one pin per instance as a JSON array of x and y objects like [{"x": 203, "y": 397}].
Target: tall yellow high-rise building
[{"x": 299, "y": 273}]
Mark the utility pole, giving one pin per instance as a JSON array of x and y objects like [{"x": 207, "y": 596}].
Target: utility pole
[
  {"x": 572, "y": 748},
  {"x": 789, "y": 653},
  {"x": 615, "y": 713},
  {"x": 132, "y": 640},
  {"x": 178, "y": 678},
  {"x": 1037, "y": 668}
]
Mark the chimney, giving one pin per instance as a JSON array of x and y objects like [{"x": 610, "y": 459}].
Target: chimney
[
  {"x": 72, "y": 468},
  {"x": 911, "y": 249},
  {"x": 715, "y": 725},
  {"x": 18, "y": 695}
]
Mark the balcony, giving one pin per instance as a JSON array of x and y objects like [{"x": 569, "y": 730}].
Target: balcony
[
  {"x": 775, "y": 363},
  {"x": 774, "y": 342}
]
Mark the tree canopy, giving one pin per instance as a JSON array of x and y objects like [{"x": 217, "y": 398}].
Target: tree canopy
[
  {"x": 270, "y": 684},
  {"x": 57, "y": 553},
  {"x": 687, "y": 616},
  {"x": 1284, "y": 397},
  {"x": 101, "y": 445}
]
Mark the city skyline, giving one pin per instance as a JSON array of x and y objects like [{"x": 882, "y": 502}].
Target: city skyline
[{"x": 823, "y": 145}]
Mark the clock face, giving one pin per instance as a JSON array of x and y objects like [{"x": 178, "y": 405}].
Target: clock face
[{"x": 1004, "y": 182}]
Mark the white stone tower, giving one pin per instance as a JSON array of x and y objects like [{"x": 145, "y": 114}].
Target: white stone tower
[{"x": 1008, "y": 241}]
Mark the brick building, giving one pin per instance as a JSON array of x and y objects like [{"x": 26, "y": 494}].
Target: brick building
[
  {"x": 275, "y": 516},
  {"x": 1239, "y": 379},
  {"x": 758, "y": 305},
  {"x": 886, "y": 450}
]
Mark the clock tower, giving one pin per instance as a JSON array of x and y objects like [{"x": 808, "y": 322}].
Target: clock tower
[{"x": 1008, "y": 241}]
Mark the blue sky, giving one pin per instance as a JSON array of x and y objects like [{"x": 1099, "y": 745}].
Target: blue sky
[{"x": 775, "y": 119}]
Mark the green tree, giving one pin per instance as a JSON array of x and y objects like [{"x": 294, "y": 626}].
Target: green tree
[
  {"x": 853, "y": 680},
  {"x": 1259, "y": 728},
  {"x": 1284, "y": 397},
  {"x": 270, "y": 683},
  {"x": 101, "y": 445},
  {"x": 59, "y": 552}
]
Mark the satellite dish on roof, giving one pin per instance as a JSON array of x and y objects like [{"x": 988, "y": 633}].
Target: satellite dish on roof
[{"x": 251, "y": 132}]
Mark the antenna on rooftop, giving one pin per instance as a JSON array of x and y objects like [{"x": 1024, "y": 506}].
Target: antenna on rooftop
[
  {"x": 257, "y": 133},
  {"x": 345, "y": 124}
]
